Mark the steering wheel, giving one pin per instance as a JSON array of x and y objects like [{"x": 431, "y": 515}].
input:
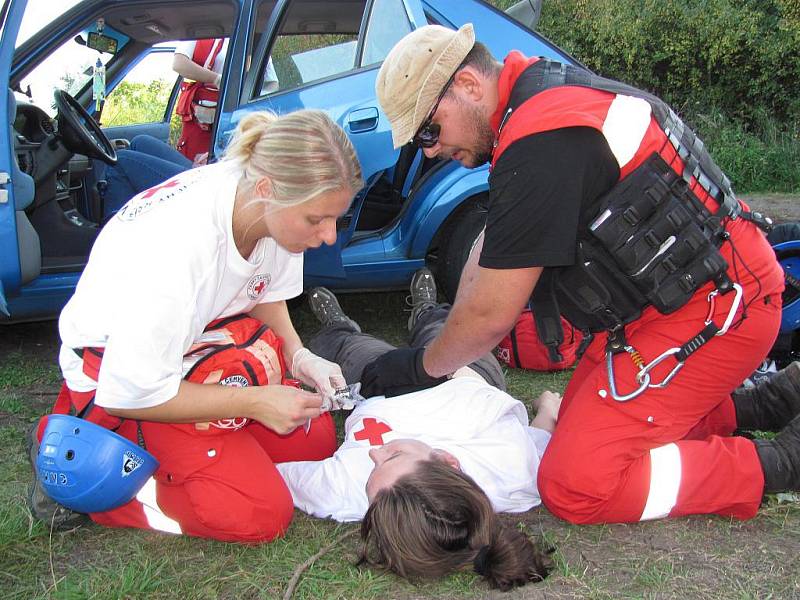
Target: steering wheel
[{"x": 80, "y": 132}]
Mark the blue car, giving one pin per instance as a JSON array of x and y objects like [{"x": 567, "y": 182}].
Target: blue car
[{"x": 325, "y": 54}]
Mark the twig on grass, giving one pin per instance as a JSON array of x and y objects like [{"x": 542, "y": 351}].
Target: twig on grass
[
  {"x": 50, "y": 551},
  {"x": 299, "y": 570}
]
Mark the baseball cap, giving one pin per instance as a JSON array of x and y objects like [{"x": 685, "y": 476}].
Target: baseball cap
[{"x": 416, "y": 71}]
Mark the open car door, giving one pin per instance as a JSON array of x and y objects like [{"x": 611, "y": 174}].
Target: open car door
[
  {"x": 10, "y": 175},
  {"x": 326, "y": 55}
]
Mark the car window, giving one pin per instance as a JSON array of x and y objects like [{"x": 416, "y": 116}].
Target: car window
[
  {"x": 68, "y": 68},
  {"x": 388, "y": 22},
  {"x": 143, "y": 94},
  {"x": 315, "y": 40}
]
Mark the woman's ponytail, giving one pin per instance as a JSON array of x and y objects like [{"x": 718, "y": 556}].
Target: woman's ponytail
[
  {"x": 247, "y": 135},
  {"x": 510, "y": 560}
]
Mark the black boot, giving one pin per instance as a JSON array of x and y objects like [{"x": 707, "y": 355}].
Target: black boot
[
  {"x": 772, "y": 403},
  {"x": 780, "y": 459}
]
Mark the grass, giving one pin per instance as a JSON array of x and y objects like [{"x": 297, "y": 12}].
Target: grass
[
  {"x": 763, "y": 157},
  {"x": 697, "y": 557},
  {"x": 19, "y": 369}
]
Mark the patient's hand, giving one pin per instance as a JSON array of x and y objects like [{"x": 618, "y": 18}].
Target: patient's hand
[{"x": 546, "y": 406}]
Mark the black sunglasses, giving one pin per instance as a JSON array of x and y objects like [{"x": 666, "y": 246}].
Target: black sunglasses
[{"x": 427, "y": 135}]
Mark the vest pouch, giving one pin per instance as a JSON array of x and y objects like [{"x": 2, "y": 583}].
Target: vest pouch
[
  {"x": 673, "y": 252},
  {"x": 674, "y": 291},
  {"x": 631, "y": 202},
  {"x": 591, "y": 294},
  {"x": 685, "y": 260},
  {"x": 655, "y": 237}
]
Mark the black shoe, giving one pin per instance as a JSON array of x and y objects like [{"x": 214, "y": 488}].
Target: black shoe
[
  {"x": 326, "y": 307},
  {"x": 423, "y": 295},
  {"x": 780, "y": 459},
  {"x": 771, "y": 403},
  {"x": 40, "y": 505}
]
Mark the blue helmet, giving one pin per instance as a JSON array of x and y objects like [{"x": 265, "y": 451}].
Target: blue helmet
[
  {"x": 88, "y": 468},
  {"x": 788, "y": 254}
]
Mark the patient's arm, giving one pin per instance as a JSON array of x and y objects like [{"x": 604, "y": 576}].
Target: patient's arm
[
  {"x": 332, "y": 488},
  {"x": 546, "y": 405}
]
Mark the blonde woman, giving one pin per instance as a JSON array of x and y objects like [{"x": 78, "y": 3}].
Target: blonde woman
[{"x": 206, "y": 245}]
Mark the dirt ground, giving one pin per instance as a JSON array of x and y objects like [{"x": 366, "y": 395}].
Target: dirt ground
[{"x": 781, "y": 208}]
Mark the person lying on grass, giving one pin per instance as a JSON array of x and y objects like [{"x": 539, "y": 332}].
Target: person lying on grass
[{"x": 427, "y": 471}]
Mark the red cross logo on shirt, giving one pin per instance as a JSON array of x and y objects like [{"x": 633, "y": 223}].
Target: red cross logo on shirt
[
  {"x": 152, "y": 191},
  {"x": 373, "y": 431},
  {"x": 259, "y": 287}
]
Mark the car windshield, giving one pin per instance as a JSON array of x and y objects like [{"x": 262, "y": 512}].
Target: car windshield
[
  {"x": 33, "y": 21},
  {"x": 68, "y": 68}
]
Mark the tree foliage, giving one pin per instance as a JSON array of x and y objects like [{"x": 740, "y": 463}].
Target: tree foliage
[{"x": 132, "y": 103}]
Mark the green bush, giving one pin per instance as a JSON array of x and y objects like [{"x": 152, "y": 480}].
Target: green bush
[{"x": 767, "y": 159}]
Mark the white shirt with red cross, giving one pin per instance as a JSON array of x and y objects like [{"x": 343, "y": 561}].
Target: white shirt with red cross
[
  {"x": 161, "y": 270},
  {"x": 485, "y": 429}
]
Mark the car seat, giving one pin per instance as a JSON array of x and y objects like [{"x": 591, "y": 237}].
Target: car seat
[{"x": 29, "y": 247}]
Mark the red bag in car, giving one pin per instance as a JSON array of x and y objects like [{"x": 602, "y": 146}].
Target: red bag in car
[{"x": 522, "y": 348}]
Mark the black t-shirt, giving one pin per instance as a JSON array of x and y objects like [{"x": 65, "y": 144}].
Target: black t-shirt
[{"x": 542, "y": 189}]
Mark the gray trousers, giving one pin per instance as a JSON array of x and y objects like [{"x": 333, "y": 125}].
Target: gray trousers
[{"x": 345, "y": 344}]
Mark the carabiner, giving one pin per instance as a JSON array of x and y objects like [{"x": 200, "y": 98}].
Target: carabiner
[
  {"x": 737, "y": 300},
  {"x": 645, "y": 372},
  {"x": 613, "y": 386}
]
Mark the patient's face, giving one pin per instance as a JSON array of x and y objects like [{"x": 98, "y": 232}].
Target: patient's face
[{"x": 393, "y": 461}]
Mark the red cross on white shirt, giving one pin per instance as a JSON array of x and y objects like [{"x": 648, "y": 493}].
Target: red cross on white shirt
[
  {"x": 373, "y": 431},
  {"x": 152, "y": 191}
]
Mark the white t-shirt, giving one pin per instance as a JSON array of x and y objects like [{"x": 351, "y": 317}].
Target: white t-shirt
[
  {"x": 485, "y": 429},
  {"x": 187, "y": 49},
  {"x": 160, "y": 271}
]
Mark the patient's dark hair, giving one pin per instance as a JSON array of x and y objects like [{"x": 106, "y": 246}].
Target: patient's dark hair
[{"x": 437, "y": 520}]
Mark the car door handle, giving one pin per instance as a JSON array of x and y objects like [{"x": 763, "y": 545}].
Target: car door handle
[{"x": 363, "y": 119}]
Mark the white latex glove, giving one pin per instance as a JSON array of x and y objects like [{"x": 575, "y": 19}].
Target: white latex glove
[{"x": 323, "y": 375}]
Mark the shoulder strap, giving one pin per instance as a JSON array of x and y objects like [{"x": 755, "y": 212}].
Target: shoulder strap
[
  {"x": 216, "y": 48},
  {"x": 203, "y": 51},
  {"x": 547, "y": 315}
]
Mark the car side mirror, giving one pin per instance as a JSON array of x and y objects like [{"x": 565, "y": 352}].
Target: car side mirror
[{"x": 526, "y": 12}]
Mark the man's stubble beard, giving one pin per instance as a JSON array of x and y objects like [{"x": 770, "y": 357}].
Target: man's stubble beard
[{"x": 484, "y": 137}]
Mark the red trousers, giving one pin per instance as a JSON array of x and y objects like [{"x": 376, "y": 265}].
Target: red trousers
[
  {"x": 668, "y": 452},
  {"x": 213, "y": 483},
  {"x": 195, "y": 139},
  {"x": 223, "y": 486}
]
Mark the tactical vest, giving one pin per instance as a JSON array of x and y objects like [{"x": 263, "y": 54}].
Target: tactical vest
[{"x": 653, "y": 240}]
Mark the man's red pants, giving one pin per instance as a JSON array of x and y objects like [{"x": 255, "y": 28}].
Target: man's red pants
[{"x": 668, "y": 452}]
